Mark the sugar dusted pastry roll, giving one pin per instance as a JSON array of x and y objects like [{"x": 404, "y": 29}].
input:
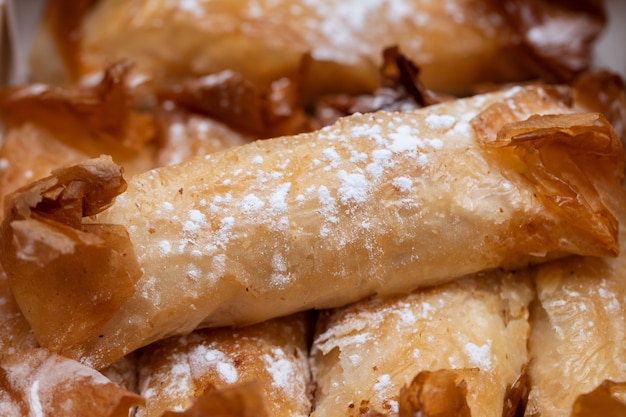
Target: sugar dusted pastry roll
[
  {"x": 272, "y": 354},
  {"x": 457, "y": 43},
  {"x": 475, "y": 329},
  {"x": 376, "y": 204},
  {"x": 578, "y": 332}
]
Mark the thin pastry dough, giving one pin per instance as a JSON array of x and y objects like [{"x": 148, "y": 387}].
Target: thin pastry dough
[
  {"x": 273, "y": 354},
  {"x": 39, "y": 383},
  {"x": 457, "y": 43},
  {"x": 379, "y": 203},
  {"x": 578, "y": 331},
  {"x": 364, "y": 354}
]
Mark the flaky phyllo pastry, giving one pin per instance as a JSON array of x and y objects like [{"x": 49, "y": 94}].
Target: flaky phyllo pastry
[
  {"x": 274, "y": 354},
  {"x": 577, "y": 345},
  {"x": 389, "y": 356},
  {"x": 457, "y": 43},
  {"x": 376, "y": 204}
]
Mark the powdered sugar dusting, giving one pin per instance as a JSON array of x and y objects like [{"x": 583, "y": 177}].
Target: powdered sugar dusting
[
  {"x": 403, "y": 184},
  {"x": 479, "y": 356},
  {"x": 281, "y": 368},
  {"x": 204, "y": 357},
  {"x": 440, "y": 121},
  {"x": 404, "y": 139},
  {"x": 354, "y": 188}
]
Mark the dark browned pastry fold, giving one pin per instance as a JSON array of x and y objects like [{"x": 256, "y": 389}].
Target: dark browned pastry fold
[{"x": 88, "y": 270}]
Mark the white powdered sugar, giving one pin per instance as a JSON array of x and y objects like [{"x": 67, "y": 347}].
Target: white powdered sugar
[
  {"x": 281, "y": 369},
  {"x": 280, "y": 276},
  {"x": 383, "y": 385},
  {"x": 440, "y": 121},
  {"x": 479, "y": 356},
  {"x": 403, "y": 184},
  {"x": 195, "y": 222},
  {"x": 165, "y": 246},
  {"x": 404, "y": 139},
  {"x": 251, "y": 204},
  {"x": 204, "y": 357},
  {"x": 277, "y": 201},
  {"x": 354, "y": 188}
]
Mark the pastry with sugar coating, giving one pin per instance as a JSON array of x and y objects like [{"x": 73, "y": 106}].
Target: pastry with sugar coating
[
  {"x": 274, "y": 354},
  {"x": 456, "y": 43},
  {"x": 369, "y": 358},
  {"x": 380, "y": 203},
  {"x": 578, "y": 332}
]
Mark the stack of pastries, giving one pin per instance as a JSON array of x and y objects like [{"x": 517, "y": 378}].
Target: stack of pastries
[{"x": 314, "y": 208}]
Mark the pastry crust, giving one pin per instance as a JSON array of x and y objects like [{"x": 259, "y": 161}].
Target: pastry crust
[
  {"x": 38, "y": 382},
  {"x": 578, "y": 331},
  {"x": 364, "y": 354},
  {"x": 274, "y": 354},
  {"x": 458, "y": 44},
  {"x": 375, "y": 204}
]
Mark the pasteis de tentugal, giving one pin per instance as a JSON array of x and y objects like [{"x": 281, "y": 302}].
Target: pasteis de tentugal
[{"x": 380, "y": 203}]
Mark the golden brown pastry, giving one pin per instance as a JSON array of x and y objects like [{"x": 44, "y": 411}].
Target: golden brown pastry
[
  {"x": 456, "y": 43},
  {"x": 38, "y": 383},
  {"x": 46, "y": 127},
  {"x": 245, "y": 400},
  {"x": 185, "y": 135},
  {"x": 378, "y": 203},
  {"x": 578, "y": 331},
  {"x": 272, "y": 354},
  {"x": 476, "y": 328}
]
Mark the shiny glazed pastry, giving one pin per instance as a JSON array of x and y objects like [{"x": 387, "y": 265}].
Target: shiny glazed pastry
[{"x": 376, "y": 204}]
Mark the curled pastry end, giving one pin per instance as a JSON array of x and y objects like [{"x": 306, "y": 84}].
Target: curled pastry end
[
  {"x": 59, "y": 267},
  {"x": 576, "y": 162},
  {"x": 439, "y": 393}
]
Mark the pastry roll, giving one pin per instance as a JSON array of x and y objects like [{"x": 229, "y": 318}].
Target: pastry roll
[
  {"x": 381, "y": 203},
  {"x": 273, "y": 354},
  {"x": 578, "y": 331},
  {"x": 456, "y": 43},
  {"x": 38, "y": 383},
  {"x": 476, "y": 328}
]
